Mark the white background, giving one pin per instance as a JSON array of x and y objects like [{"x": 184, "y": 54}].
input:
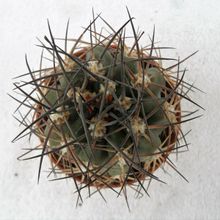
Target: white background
[{"x": 187, "y": 25}]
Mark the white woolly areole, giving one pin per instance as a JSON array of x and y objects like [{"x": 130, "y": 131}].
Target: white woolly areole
[
  {"x": 97, "y": 128},
  {"x": 139, "y": 80},
  {"x": 125, "y": 103},
  {"x": 110, "y": 89},
  {"x": 87, "y": 95},
  {"x": 170, "y": 112},
  {"x": 70, "y": 93},
  {"x": 138, "y": 125},
  {"x": 60, "y": 118},
  {"x": 121, "y": 162},
  {"x": 65, "y": 149},
  {"x": 96, "y": 67},
  {"x": 69, "y": 64}
]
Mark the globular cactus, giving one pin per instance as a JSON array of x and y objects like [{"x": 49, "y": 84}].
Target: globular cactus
[{"x": 107, "y": 114}]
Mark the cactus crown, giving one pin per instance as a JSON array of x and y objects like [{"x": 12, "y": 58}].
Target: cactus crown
[{"x": 107, "y": 114}]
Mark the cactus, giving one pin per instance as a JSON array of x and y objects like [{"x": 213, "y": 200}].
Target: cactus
[{"x": 107, "y": 114}]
